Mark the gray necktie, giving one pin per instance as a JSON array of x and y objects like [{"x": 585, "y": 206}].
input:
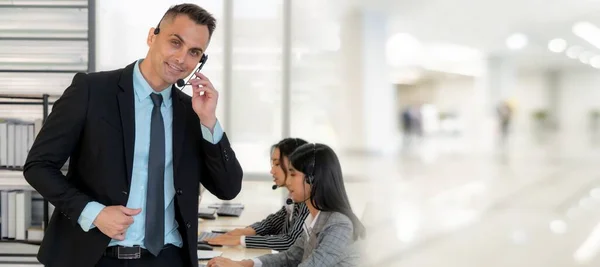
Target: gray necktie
[{"x": 155, "y": 204}]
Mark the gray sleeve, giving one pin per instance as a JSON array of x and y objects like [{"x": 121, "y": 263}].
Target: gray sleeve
[{"x": 290, "y": 257}]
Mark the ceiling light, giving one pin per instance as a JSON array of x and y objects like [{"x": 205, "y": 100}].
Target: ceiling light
[
  {"x": 574, "y": 51},
  {"x": 595, "y": 62},
  {"x": 587, "y": 31},
  {"x": 517, "y": 41},
  {"x": 558, "y": 226},
  {"x": 402, "y": 49},
  {"x": 589, "y": 248},
  {"x": 557, "y": 45},
  {"x": 585, "y": 57}
]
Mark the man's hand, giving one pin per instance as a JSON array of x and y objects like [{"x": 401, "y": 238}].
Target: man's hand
[
  {"x": 113, "y": 221},
  {"x": 248, "y": 231},
  {"x": 225, "y": 240},
  {"x": 205, "y": 104}
]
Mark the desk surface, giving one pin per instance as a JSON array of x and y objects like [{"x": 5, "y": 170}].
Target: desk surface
[
  {"x": 227, "y": 224},
  {"x": 234, "y": 252},
  {"x": 240, "y": 253}
]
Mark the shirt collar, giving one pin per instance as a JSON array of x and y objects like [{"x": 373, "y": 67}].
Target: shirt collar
[
  {"x": 143, "y": 90},
  {"x": 310, "y": 221}
]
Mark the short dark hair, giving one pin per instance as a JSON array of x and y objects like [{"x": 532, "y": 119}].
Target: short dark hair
[
  {"x": 195, "y": 13},
  {"x": 286, "y": 147},
  {"x": 327, "y": 190}
]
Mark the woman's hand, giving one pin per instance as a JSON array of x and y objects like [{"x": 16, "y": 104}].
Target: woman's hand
[
  {"x": 248, "y": 231},
  {"x": 225, "y": 240},
  {"x": 225, "y": 262}
]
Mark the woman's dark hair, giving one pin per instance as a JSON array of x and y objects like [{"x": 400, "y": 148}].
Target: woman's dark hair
[
  {"x": 286, "y": 147},
  {"x": 323, "y": 172}
]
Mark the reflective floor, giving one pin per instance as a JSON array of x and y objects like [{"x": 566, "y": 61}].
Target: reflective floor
[{"x": 519, "y": 204}]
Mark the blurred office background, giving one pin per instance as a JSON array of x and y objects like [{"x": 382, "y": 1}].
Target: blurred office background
[{"x": 468, "y": 130}]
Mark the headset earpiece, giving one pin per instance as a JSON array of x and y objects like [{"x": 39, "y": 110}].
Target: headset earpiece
[
  {"x": 157, "y": 29},
  {"x": 309, "y": 179}
]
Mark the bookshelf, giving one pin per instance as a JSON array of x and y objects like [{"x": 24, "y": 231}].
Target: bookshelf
[
  {"x": 11, "y": 177},
  {"x": 48, "y": 42}
]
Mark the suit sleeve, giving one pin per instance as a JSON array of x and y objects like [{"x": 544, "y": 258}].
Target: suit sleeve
[
  {"x": 54, "y": 144},
  {"x": 272, "y": 224},
  {"x": 277, "y": 240},
  {"x": 222, "y": 173}
]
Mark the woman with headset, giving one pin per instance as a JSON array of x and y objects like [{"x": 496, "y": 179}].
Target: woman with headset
[
  {"x": 279, "y": 230},
  {"x": 331, "y": 228}
]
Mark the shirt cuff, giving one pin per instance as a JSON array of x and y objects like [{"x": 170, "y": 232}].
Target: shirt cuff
[
  {"x": 257, "y": 263},
  {"x": 243, "y": 241},
  {"x": 89, "y": 214},
  {"x": 213, "y": 137}
]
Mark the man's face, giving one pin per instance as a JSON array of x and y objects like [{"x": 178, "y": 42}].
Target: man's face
[{"x": 177, "y": 49}]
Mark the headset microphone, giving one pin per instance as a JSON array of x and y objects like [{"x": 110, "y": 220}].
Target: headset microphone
[
  {"x": 180, "y": 83},
  {"x": 275, "y": 187},
  {"x": 289, "y": 201}
]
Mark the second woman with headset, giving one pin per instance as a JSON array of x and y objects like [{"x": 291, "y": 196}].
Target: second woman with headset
[{"x": 279, "y": 230}]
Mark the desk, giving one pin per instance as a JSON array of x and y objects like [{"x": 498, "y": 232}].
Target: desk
[
  {"x": 258, "y": 198},
  {"x": 240, "y": 253},
  {"x": 236, "y": 252},
  {"x": 250, "y": 215}
]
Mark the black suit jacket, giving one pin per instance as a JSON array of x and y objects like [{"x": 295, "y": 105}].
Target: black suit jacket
[{"x": 93, "y": 124}]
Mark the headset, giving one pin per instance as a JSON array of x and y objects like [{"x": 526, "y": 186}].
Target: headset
[
  {"x": 274, "y": 187},
  {"x": 308, "y": 178},
  {"x": 181, "y": 83}
]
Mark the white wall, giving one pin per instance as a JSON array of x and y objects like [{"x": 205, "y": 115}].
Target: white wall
[
  {"x": 531, "y": 94},
  {"x": 579, "y": 95}
]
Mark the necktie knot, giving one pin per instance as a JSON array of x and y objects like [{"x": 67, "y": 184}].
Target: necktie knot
[{"x": 156, "y": 99}]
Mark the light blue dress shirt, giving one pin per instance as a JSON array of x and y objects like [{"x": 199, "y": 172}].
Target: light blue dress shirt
[{"x": 137, "y": 196}]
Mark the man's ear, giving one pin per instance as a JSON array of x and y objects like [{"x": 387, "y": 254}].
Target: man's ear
[{"x": 151, "y": 36}]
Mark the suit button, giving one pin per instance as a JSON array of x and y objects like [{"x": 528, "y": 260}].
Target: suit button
[
  {"x": 188, "y": 225},
  {"x": 124, "y": 192},
  {"x": 179, "y": 192}
]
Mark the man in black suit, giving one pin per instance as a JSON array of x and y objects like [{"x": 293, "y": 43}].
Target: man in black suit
[{"x": 139, "y": 149}]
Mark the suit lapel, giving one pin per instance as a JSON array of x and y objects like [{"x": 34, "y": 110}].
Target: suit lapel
[
  {"x": 179, "y": 121},
  {"x": 321, "y": 221},
  {"x": 311, "y": 243},
  {"x": 127, "y": 111}
]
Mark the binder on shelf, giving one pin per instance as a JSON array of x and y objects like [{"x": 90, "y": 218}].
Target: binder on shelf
[
  {"x": 23, "y": 214},
  {"x": 4, "y": 214},
  {"x": 11, "y": 145},
  {"x": 12, "y": 214},
  {"x": 3, "y": 143}
]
